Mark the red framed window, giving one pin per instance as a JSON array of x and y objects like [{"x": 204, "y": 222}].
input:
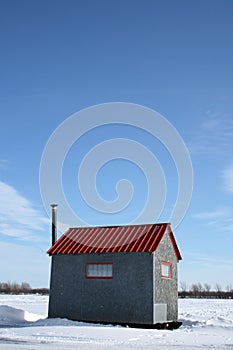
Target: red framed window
[
  {"x": 99, "y": 270},
  {"x": 166, "y": 269}
]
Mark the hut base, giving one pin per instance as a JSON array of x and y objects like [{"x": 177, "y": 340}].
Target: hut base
[
  {"x": 166, "y": 325},
  {"x": 170, "y": 325}
]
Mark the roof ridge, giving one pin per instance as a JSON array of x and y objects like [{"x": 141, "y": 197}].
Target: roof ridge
[{"x": 127, "y": 225}]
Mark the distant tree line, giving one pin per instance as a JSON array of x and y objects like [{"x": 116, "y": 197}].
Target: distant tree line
[
  {"x": 198, "y": 290},
  {"x": 195, "y": 290},
  {"x": 20, "y": 288}
]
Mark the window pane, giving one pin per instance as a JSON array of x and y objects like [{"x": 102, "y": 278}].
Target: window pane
[
  {"x": 96, "y": 270},
  {"x": 166, "y": 269}
]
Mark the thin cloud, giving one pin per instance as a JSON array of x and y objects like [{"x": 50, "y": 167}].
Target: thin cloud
[
  {"x": 221, "y": 218},
  {"x": 3, "y": 163},
  {"x": 214, "y": 135},
  {"x": 18, "y": 217},
  {"x": 227, "y": 176},
  {"x": 213, "y": 215},
  {"x": 209, "y": 259}
]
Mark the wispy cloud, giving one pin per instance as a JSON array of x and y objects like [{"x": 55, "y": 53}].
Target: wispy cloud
[
  {"x": 3, "y": 163},
  {"x": 221, "y": 218},
  {"x": 227, "y": 176},
  {"x": 213, "y": 215},
  {"x": 214, "y": 135},
  {"x": 18, "y": 217},
  {"x": 209, "y": 259}
]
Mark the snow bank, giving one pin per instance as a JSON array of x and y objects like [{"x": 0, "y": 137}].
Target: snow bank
[
  {"x": 10, "y": 316},
  {"x": 34, "y": 303}
]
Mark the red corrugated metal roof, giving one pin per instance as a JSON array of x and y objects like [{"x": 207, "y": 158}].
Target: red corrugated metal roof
[{"x": 113, "y": 239}]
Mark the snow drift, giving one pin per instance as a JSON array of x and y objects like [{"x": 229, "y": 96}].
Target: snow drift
[
  {"x": 207, "y": 324},
  {"x": 10, "y": 316}
]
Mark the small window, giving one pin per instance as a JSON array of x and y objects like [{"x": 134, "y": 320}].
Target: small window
[
  {"x": 99, "y": 270},
  {"x": 166, "y": 269}
]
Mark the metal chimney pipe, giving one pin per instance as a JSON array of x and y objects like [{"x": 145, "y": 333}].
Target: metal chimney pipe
[{"x": 54, "y": 223}]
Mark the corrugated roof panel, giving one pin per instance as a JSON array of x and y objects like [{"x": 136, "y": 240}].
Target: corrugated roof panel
[
  {"x": 128, "y": 247},
  {"x": 140, "y": 234},
  {"x": 61, "y": 244},
  {"x": 131, "y": 238},
  {"x": 65, "y": 246},
  {"x": 88, "y": 240},
  {"x": 68, "y": 249},
  {"x": 158, "y": 235},
  {"x": 76, "y": 245},
  {"x": 148, "y": 240},
  {"x": 97, "y": 242},
  {"x": 120, "y": 239},
  {"x": 109, "y": 239},
  {"x": 143, "y": 241}
]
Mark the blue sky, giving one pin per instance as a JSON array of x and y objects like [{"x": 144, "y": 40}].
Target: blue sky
[{"x": 174, "y": 57}]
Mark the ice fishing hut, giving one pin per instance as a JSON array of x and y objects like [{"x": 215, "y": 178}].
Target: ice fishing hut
[{"x": 117, "y": 274}]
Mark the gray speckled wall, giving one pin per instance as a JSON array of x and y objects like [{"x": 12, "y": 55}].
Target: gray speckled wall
[
  {"x": 127, "y": 298},
  {"x": 165, "y": 290}
]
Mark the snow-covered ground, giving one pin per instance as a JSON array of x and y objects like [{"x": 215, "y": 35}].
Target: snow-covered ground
[{"x": 207, "y": 324}]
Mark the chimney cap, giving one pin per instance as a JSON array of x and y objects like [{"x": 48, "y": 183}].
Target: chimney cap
[{"x": 53, "y": 205}]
